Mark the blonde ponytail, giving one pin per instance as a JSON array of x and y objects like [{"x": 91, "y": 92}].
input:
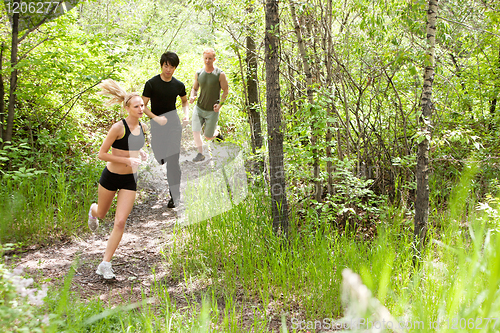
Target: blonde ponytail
[{"x": 115, "y": 92}]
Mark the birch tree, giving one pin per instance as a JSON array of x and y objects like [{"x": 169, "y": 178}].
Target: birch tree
[{"x": 422, "y": 198}]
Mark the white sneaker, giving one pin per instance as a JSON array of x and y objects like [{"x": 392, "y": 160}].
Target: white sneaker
[
  {"x": 104, "y": 269},
  {"x": 93, "y": 221}
]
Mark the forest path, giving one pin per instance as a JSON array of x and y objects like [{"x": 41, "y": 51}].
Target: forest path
[{"x": 138, "y": 262}]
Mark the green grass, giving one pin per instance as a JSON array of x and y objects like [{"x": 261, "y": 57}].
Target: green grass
[
  {"x": 250, "y": 276},
  {"x": 457, "y": 275},
  {"x": 156, "y": 313},
  {"x": 238, "y": 252},
  {"x": 54, "y": 204}
]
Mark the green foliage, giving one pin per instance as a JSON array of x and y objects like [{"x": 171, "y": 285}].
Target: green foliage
[
  {"x": 279, "y": 273},
  {"x": 371, "y": 95},
  {"x": 352, "y": 196},
  {"x": 36, "y": 206},
  {"x": 352, "y": 199},
  {"x": 456, "y": 278},
  {"x": 370, "y": 101},
  {"x": 17, "y": 157},
  {"x": 60, "y": 63}
]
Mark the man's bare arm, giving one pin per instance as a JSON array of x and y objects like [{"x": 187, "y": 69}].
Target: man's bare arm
[
  {"x": 194, "y": 91},
  {"x": 225, "y": 91},
  {"x": 185, "y": 109},
  {"x": 161, "y": 120}
]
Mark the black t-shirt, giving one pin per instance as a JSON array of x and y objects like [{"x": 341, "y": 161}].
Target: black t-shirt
[{"x": 163, "y": 95}]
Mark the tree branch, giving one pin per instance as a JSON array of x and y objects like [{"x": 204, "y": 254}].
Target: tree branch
[
  {"x": 468, "y": 26},
  {"x": 74, "y": 98},
  {"x": 34, "y": 47},
  {"x": 36, "y": 26}
]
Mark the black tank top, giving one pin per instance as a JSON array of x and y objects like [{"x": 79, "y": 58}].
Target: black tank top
[{"x": 129, "y": 141}]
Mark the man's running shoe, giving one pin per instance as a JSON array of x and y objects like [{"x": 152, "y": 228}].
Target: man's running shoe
[
  {"x": 93, "y": 221},
  {"x": 104, "y": 269},
  {"x": 219, "y": 137},
  {"x": 171, "y": 203},
  {"x": 198, "y": 158}
]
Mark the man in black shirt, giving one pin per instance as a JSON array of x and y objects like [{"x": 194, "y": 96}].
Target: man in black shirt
[{"x": 166, "y": 128}]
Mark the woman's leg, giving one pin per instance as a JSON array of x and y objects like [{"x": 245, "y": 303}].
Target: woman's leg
[
  {"x": 104, "y": 201},
  {"x": 124, "y": 204}
]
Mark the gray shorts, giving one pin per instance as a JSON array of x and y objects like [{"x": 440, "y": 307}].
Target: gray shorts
[{"x": 209, "y": 118}]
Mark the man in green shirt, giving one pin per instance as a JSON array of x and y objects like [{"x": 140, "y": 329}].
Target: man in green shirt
[{"x": 206, "y": 112}]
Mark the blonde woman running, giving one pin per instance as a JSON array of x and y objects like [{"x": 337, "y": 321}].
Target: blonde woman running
[{"x": 126, "y": 139}]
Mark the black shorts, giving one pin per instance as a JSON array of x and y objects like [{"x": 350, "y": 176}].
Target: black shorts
[{"x": 114, "y": 181}]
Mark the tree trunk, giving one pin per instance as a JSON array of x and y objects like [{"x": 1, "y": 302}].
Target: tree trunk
[
  {"x": 2, "y": 95},
  {"x": 28, "y": 24},
  {"x": 328, "y": 46},
  {"x": 493, "y": 103},
  {"x": 458, "y": 72},
  {"x": 13, "y": 78},
  {"x": 253, "y": 93},
  {"x": 318, "y": 188},
  {"x": 275, "y": 135},
  {"x": 422, "y": 199}
]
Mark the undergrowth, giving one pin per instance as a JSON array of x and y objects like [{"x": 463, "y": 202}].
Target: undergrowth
[{"x": 252, "y": 279}]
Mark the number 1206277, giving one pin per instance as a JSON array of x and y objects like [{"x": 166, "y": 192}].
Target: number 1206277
[{"x": 35, "y": 7}]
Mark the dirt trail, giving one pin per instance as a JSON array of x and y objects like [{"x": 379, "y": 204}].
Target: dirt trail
[{"x": 149, "y": 229}]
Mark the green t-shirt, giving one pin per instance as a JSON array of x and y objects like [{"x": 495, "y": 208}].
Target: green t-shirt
[{"x": 210, "y": 88}]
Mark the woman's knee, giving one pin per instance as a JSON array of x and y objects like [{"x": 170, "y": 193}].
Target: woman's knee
[
  {"x": 120, "y": 222},
  {"x": 100, "y": 214}
]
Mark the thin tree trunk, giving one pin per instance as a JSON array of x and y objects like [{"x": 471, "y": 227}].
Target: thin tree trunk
[
  {"x": 328, "y": 45},
  {"x": 275, "y": 135},
  {"x": 347, "y": 151},
  {"x": 2, "y": 95},
  {"x": 329, "y": 164},
  {"x": 493, "y": 103},
  {"x": 253, "y": 93},
  {"x": 318, "y": 188},
  {"x": 13, "y": 78},
  {"x": 422, "y": 199},
  {"x": 242, "y": 72},
  {"x": 458, "y": 72}
]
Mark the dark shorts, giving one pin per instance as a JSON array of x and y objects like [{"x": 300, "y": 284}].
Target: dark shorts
[{"x": 113, "y": 181}]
